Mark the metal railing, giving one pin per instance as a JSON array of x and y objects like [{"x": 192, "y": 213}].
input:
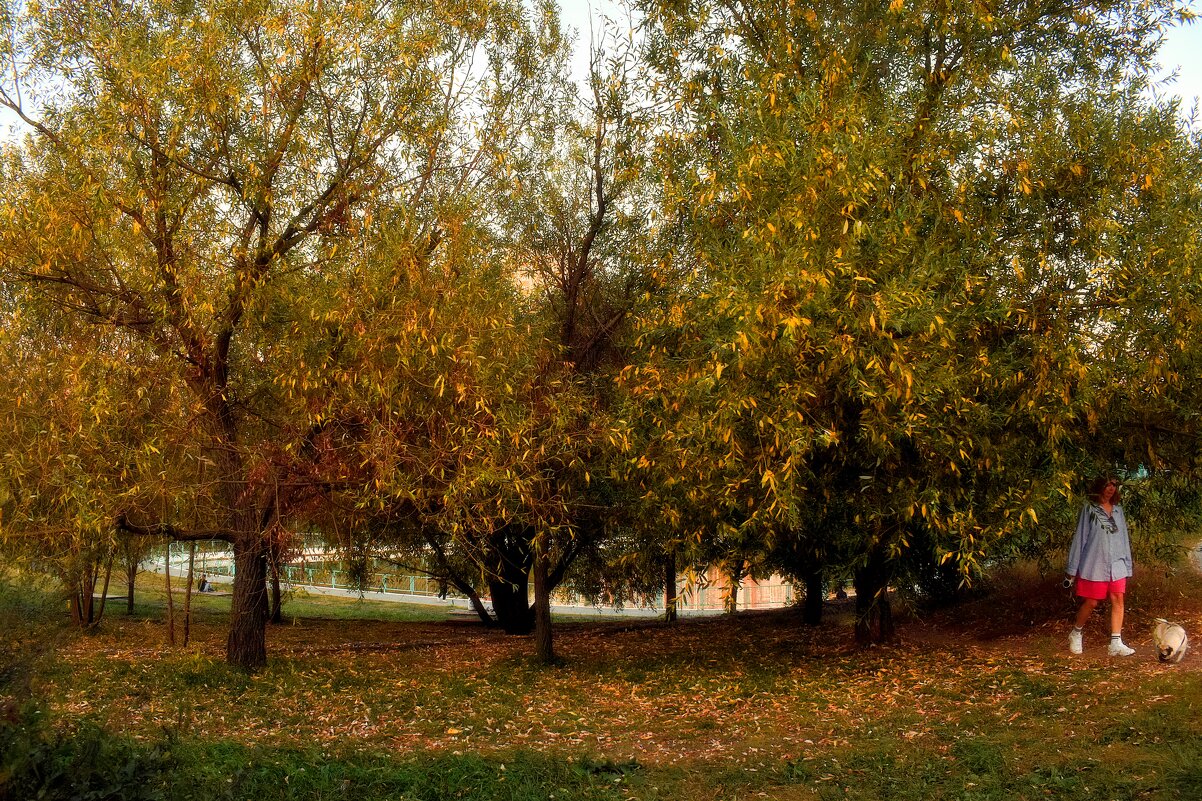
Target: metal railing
[{"x": 699, "y": 597}]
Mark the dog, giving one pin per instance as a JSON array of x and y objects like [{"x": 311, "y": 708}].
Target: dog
[{"x": 1170, "y": 641}]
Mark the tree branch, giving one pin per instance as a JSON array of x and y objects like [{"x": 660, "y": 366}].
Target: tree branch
[{"x": 171, "y": 532}]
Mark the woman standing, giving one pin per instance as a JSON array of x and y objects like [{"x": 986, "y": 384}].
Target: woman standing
[{"x": 1099, "y": 561}]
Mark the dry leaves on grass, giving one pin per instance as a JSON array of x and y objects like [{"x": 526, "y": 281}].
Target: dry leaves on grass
[{"x": 749, "y": 691}]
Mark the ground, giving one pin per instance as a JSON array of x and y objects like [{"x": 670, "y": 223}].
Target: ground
[{"x": 982, "y": 700}]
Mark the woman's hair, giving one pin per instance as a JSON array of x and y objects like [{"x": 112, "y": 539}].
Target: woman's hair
[{"x": 1098, "y": 484}]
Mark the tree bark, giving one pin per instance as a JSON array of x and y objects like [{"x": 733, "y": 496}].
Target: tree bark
[
  {"x": 73, "y": 602},
  {"x": 874, "y": 616},
  {"x": 736, "y": 580},
  {"x": 188, "y": 593},
  {"x": 480, "y": 609},
  {"x": 78, "y": 597},
  {"x": 885, "y": 617},
  {"x": 670, "y": 598},
  {"x": 511, "y": 604},
  {"x": 277, "y": 614},
  {"x": 89, "y": 593},
  {"x": 543, "y": 648},
  {"x": 473, "y": 597},
  {"x": 131, "y": 576},
  {"x": 510, "y": 584},
  {"x": 170, "y": 600},
  {"x": 104, "y": 593},
  {"x": 246, "y": 647},
  {"x": 815, "y": 582}
]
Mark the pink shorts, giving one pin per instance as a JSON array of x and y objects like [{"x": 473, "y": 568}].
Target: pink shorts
[{"x": 1098, "y": 590}]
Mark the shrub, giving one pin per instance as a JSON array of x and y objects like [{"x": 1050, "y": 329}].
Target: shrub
[{"x": 87, "y": 764}]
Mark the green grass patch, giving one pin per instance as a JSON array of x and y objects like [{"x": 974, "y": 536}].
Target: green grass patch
[
  {"x": 150, "y": 602},
  {"x": 91, "y": 763},
  {"x": 360, "y": 701}
]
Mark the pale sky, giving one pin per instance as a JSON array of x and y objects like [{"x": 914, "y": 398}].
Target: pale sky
[{"x": 1182, "y": 51}]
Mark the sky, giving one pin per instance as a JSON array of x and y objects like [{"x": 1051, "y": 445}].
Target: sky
[{"x": 1182, "y": 51}]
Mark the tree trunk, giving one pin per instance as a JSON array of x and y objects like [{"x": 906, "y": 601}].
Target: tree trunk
[
  {"x": 480, "y": 609},
  {"x": 246, "y": 647},
  {"x": 670, "y": 598},
  {"x": 188, "y": 593},
  {"x": 86, "y": 591},
  {"x": 736, "y": 579},
  {"x": 81, "y": 587},
  {"x": 277, "y": 615},
  {"x": 874, "y": 616},
  {"x": 815, "y": 582},
  {"x": 509, "y": 585},
  {"x": 104, "y": 593},
  {"x": 170, "y": 600},
  {"x": 511, "y": 604},
  {"x": 73, "y": 602},
  {"x": 885, "y": 617},
  {"x": 474, "y": 597},
  {"x": 131, "y": 576},
  {"x": 543, "y": 648}
]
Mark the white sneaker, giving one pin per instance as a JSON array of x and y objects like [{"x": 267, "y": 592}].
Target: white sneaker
[
  {"x": 1074, "y": 642},
  {"x": 1119, "y": 648}
]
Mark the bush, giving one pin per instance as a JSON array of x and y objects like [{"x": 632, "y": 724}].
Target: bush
[{"x": 85, "y": 765}]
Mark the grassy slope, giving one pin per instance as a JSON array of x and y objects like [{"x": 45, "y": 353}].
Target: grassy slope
[{"x": 373, "y": 700}]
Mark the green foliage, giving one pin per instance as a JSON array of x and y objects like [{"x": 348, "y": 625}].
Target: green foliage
[
  {"x": 928, "y": 277},
  {"x": 88, "y": 764},
  {"x": 210, "y": 205},
  {"x": 879, "y": 285},
  {"x": 1167, "y": 507},
  {"x": 31, "y": 626},
  {"x": 479, "y": 381}
]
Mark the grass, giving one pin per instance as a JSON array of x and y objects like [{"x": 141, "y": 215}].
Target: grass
[
  {"x": 150, "y": 603},
  {"x": 373, "y": 700}
]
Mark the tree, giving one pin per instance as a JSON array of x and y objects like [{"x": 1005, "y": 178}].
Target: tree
[
  {"x": 199, "y": 177},
  {"x": 131, "y": 551},
  {"x": 480, "y": 379},
  {"x": 73, "y": 441},
  {"x": 583, "y": 239},
  {"x": 900, "y": 218}
]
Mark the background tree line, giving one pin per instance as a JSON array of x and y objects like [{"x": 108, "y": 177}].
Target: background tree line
[{"x": 835, "y": 290}]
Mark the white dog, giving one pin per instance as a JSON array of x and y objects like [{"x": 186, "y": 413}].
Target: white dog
[{"x": 1170, "y": 641}]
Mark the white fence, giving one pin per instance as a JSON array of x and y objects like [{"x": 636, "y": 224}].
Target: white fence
[{"x": 319, "y": 570}]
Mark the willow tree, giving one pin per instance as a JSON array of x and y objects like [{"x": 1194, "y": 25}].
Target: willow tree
[
  {"x": 478, "y": 379},
  {"x": 73, "y": 448},
  {"x": 903, "y": 218},
  {"x": 194, "y": 174},
  {"x": 581, "y": 232}
]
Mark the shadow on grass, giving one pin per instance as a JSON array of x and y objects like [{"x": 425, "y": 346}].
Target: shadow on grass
[{"x": 91, "y": 763}]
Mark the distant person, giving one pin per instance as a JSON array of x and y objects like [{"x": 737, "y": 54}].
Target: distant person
[
  {"x": 204, "y": 585},
  {"x": 1099, "y": 562}
]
